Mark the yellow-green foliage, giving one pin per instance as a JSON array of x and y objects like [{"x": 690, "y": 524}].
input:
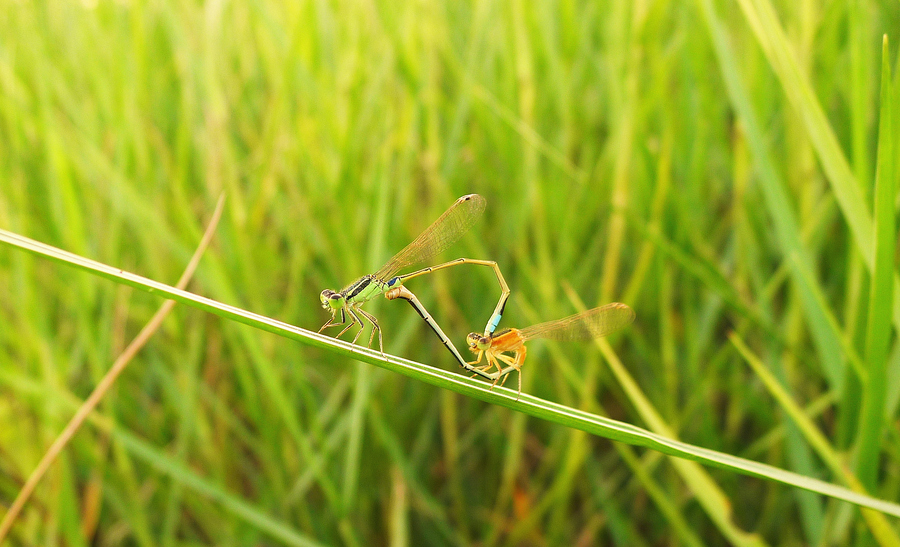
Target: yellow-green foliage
[{"x": 711, "y": 164}]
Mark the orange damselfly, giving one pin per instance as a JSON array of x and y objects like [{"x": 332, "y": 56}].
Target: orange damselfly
[{"x": 587, "y": 325}]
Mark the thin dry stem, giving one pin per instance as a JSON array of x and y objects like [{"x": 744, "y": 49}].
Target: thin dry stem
[{"x": 106, "y": 382}]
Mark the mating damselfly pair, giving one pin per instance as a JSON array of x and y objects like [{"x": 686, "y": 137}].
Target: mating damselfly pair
[{"x": 346, "y": 305}]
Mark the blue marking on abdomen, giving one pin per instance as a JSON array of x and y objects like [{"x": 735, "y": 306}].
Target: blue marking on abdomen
[{"x": 495, "y": 321}]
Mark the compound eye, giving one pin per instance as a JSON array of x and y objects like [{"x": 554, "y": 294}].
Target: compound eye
[
  {"x": 331, "y": 299},
  {"x": 472, "y": 339}
]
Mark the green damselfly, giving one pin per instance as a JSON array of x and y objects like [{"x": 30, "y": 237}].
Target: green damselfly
[{"x": 443, "y": 232}]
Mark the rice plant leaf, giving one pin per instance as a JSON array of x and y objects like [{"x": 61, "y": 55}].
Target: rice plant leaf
[
  {"x": 533, "y": 406},
  {"x": 871, "y": 425},
  {"x": 825, "y": 336},
  {"x": 880, "y": 528},
  {"x": 762, "y": 18},
  {"x": 168, "y": 465}
]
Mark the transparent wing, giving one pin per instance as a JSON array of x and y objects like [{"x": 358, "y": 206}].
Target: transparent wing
[
  {"x": 442, "y": 233},
  {"x": 587, "y": 325}
]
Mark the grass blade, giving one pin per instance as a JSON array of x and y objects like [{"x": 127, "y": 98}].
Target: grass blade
[
  {"x": 877, "y": 524},
  {"x": 871, "y": 425},
  {"x": 533, "y": 406},
  {"x": 107, "y": 382},
  {"x": 761, "y": 16},
  {"x": 825, "y": 336}
]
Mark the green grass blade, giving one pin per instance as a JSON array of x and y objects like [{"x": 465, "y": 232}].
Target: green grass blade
[
  {"x": 872, "y": 419},
  {"x": 533, "y": 406},
  {"x": 178, "y": 471},
  {"x": 190, "y": 479},
  {"x": 667, "y": 506},
  {"x": 797, "y": 256},
  {"x": 880, "y": 528},
  {"x": 761, "y": 16},
  {"x": 709, "y": 494}
]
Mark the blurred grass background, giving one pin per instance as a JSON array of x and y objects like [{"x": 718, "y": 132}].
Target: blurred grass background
[{"x": 614, "y": 163}]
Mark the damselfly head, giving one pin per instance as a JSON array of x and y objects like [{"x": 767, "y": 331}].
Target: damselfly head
[
  {"x": 331, "y": 299},
  {"x": 478, "y": 342}
]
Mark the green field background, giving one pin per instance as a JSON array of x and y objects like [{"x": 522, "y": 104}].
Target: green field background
[{"x": 653, "y": 153}]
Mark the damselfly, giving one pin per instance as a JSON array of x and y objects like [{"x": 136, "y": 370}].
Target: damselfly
[
  {"x": 587, "y": 325},
  {"x": 449, "y": 227}
]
